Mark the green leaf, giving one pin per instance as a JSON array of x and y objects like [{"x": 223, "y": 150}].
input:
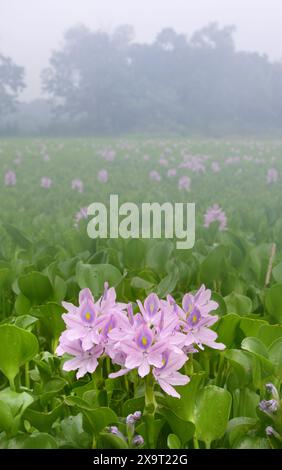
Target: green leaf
[
  {"x": 17, "y": 402},
  {"x": 184, "y": 406},
  {"x": 43, "y": 420},
  {"x": 241, "y": 366},
  {"x": 252, "y": 442},
  {"x": 238, "y": 428},
  {"x": 139, "y": 283},
  {"x": 5, "y": 278},
  {"x": 237, "y": 303},
  {"x": 269, "y": 333},
  {"x": 277, "y": 273},
  {"x": 6, "y": 417},
  {"x": 251, "y": 326},
  {"x": 50, "y": 317},
  {"x": 273, "y": 302},
  {"x": 245, "y": 402},
  {"x": 17, "y": 346},
  {"x": 60, "y": 289},
  {"x": 111, "y": 441},
  {"x": 134, "y": 254},
  {"x": 227, "y": 328},
  {"x": 158, "y": 256},
  {"x": 256, "y": 347},
  {"x": 132, "y": 405},
  {"x": 39, "y": 441},
  {"x": 167, "y": 284},
  {"x": 17, "y": 236},
  {"x": 183, "y": 429},
  {"x": 212, "y": 268},
  {"x": 99, "y": 418},
  {"x": 212, "y": 413},
  {"x": 275, "y": 355},
  {"x": 36, "y": 287},
  {"x": 12, "y": 407},
  {"x": 173, "y": 442},
  {"x": 27, "y": 322},
  {"x": 94, "y": 276},
  {"x": 73, "y": 433},
  {"x": 22, "y": 304}
]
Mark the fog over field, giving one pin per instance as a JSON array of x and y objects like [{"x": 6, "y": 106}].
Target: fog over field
[
  {"x": 31, "y": 29},
  {"x": 92, "y": 68}
]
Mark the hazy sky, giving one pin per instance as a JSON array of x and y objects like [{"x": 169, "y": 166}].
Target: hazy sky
[{"x": 30, "y": 29}]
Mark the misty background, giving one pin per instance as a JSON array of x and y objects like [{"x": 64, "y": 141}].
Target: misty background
[{"x": 113, "y": 67}]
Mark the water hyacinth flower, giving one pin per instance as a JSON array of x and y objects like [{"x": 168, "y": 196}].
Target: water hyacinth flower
[
  {"x": 272, "y": 176},
  {"x": 77, "y": 185},
  {"x": 171, "y": 172},
  {"x": 269, "y": 406},
  {"x": 88, "y": 325},
  {"x": 46, "y": 182},
  {"x": 109, "y": 154},
  {"x": 10, "y": 178},
  {"x": 46, "y": 157},
  {"x": 163, "y": 161},
  {"x": 155, "y": 176},
  {"x": 138, "y": 440},
  {"x": 103, "y": 176},
  {"x": 270, "y": 388},
  {"x": 215, "y": 214},
  {"x": 168, "y": 374},
  {"x": 155, "y": 340},
  {"x": 184, "y": 183},
  {"x": 80, "y": 215}
]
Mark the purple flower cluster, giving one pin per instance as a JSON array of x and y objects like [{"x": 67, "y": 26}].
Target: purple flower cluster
[
  {"x": 272, "y": 176},
  {"x": 215, "y": 214},
  {"x": 103, "y": 176},
  {"x": 77, "y": 185},
  {"x": 271, "y": 409},
  {"x": 157, "y": 339},
  {"x": 80, "y": 215},
  {"x": 46, "y": 182},
  {"x": 184, "y": 183},
  {"x": 10, "y": 178}
]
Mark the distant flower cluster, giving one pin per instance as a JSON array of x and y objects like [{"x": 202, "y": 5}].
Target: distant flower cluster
[
  {"x": 77, "y": 185},
  {"x": 10, "y": 178},
  {"x": 215, "y": 214},
  {"x": 272, "y": 176},
  {"x": 157, "y": 339},
  {"x": 46, "y": 182},
  {"x": 80, "y": 215}
]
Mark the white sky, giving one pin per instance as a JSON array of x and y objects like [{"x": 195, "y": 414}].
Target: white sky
[{"x": 30, "y": 29}]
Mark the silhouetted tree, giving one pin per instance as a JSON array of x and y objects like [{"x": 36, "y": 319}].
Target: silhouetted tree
[
  {"x": 109, "y": 83},
  {"x": 11, "y": 82}
]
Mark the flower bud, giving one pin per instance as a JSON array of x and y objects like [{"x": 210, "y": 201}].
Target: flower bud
[
  {"x": 137, "y": 415},
  {"x": 138, "y": 440}
]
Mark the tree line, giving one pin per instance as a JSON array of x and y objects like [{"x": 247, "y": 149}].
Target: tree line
[{"x": 102, "y": 83}]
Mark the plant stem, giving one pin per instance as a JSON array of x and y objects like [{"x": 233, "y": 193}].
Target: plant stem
[
  {"x": 149, "y": 411},
  {"x": 12, "y": 385},
  {"x": 150, "y": 402},
  {"x": 270, "y": 264},
  {"x": 26, "y": 375},
  {"x": 220, "y": 369},
  {"x": 195, "y": 442}
]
